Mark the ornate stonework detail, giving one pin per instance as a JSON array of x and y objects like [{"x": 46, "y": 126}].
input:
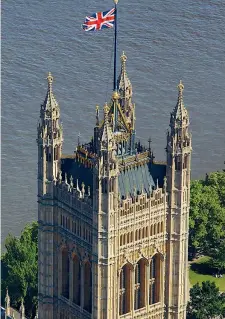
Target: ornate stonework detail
[{"x": 110, "y": 241}]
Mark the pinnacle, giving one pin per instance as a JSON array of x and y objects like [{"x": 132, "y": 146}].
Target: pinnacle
[{"x": 50, "y": 103}]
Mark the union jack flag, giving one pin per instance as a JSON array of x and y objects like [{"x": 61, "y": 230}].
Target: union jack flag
[{"x": 100, "y": 20}]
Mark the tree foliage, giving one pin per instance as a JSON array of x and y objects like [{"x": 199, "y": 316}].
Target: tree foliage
[
  {"x": 20, "y": 269},
  {"x": 205, "y": 301},
  {"x": 207, "y": 214}
]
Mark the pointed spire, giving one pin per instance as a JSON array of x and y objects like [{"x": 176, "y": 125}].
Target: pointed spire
[
  {"x": 50, "y": 80},
  {"x": 180, "y": 112},
  {"x": 165, "y": 183},
  {"x": 78, "y": 139},
  {"x": 50, "y": 103},
  {"x": 7, "y": 302},
  {"x": 124, "y": 84},
  {"x": 78, "y": 189},
  {"x": 107, "y": 135},
  {"x": 71, "y": 181},
  {"x": 60, "y": 176},
  {"x": 83, "y": 189},
  {"x": 22, "y": 310},
  {"x": 97, "y": 115}
]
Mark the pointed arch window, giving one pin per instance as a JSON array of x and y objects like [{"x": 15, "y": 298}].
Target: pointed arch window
[
  {"x": 65, "y": 273},
  {"x": 185, "y": 161},
  {"x": 76, "y": 280},
  {"x": 139, "y": 287},
  {"x": 87, "y": 287},
  {"x": 177, "y": 163},
  {"x": 154, "y": 280},
  {"x": 125, "y": 289}
]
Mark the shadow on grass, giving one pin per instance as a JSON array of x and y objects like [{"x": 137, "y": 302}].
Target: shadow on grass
[{"x": 205, "y": 267}]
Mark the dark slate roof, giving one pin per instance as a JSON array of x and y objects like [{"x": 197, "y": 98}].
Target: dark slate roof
[
  {"x": 78, "y": 171},
  {"x": 130, "y": 179},
  {"x": 135, "y": 178},
  {"x": 158, "y": 171}
]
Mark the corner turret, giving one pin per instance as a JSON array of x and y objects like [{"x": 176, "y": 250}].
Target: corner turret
[
  {"x": 49, "y": 139},
  {"x": 178, "y": 189}
]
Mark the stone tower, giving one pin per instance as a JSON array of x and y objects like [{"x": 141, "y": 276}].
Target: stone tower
[
  {"x": 178, "y": 188},
  {"x": 113, "y": 221},
  {"x": 49, "y": 142}
]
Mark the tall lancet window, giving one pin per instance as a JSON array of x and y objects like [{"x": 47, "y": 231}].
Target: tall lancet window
[
  {"x": 65, "y": 273},
  {"x": 87, "y": 287},
  {"x": 140, "y": 287},
  {"x": 76, "y": 280},
  {"x": 154, "y": 280},
  {"x": 125, "y": 289}
]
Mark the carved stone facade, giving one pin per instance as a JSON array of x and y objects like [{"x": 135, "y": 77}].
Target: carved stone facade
[{"x": 113, "y": 222}]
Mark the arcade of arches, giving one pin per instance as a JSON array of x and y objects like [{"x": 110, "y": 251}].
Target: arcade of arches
[
  {"x": 146, "y": 284},
  {"x": 80, "y": 275},
  {"x": 139, "y": 285}
]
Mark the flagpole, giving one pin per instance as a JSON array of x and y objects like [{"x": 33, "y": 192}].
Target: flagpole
[{"x": 115, "y": 47}]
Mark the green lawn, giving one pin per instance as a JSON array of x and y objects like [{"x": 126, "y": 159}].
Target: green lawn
[{"x": 200, "y": 271}]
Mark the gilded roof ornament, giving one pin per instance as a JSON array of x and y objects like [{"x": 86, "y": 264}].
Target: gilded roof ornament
[
  {"x": 123, "y": 58},
  {"x": 50, "y": 78},
  {"x": 106, "y": 108},
  {"x": 180, "y": 87},
  {"x": 115, "y": 95}
]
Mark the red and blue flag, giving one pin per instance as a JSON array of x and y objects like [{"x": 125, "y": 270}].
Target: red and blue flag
[{"x": 100, "y": 20}]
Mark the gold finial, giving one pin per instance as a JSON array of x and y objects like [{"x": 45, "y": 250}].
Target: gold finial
[
  {"x": 106, "y": 108},
  {"x": 115, "y": 95},
  {"x": 123, "y": 57},
  {"x": 97, "y": 108},
  {"x": 115, "y": 1},
  {"x": 50, "y": 78},
  {"x": 180, "y": 87}
]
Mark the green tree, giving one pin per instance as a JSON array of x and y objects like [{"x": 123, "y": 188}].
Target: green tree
[
  {"x": 217, "y": 181},
  {"x": 205, "y": 301},
  {"x": 218, "y": 256},
  {"x": 20, "y": 269},
  {"x": 198, "y": 218},
  {"x": 207, "y": 214}
]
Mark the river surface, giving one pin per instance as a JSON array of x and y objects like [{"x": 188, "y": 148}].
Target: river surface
[{"x": 165, "y": 41}]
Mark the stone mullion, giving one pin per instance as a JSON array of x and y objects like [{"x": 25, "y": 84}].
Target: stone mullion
[
  {"x": 71, "y": 280},
  {"x": 59, "y": 272},
  {"x": 132, "y": 279},
  {"x": 82, "y": 286}
]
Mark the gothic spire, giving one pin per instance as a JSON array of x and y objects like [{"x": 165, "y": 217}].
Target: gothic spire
[
  {"x": 7, "y": 302},
  {"x": 107, "y": 135},
  {"x": 123, "y": 83},
  {"x": 50, "y": 104},
  {"x": 179, "y": 113},
  {"x": 22, "y": 310}
]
